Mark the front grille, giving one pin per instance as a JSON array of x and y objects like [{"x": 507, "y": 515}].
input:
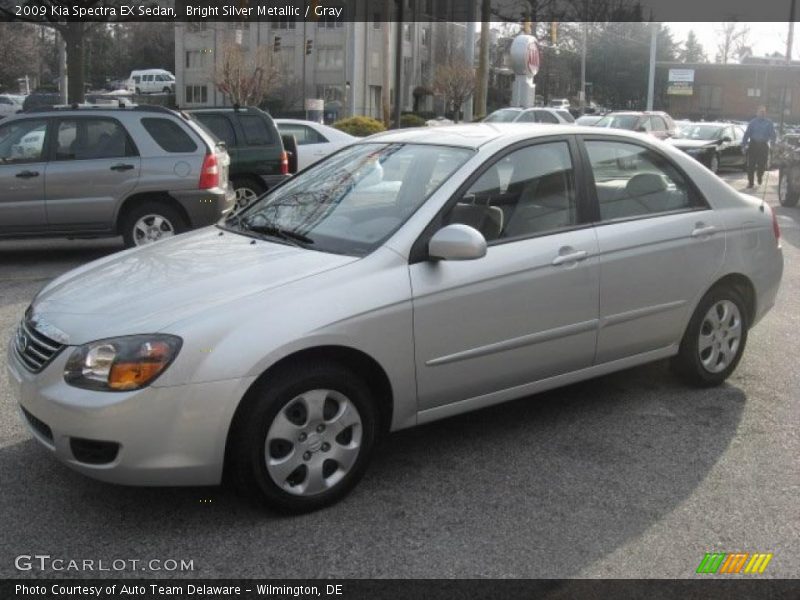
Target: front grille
[
  {"x": 38, "y": 425},
  {"x": 33, "y": 349}
]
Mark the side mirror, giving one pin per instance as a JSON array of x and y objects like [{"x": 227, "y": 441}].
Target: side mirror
[
  {"x": 457, "y": 242},
  {"x": 726, "y": 138}
]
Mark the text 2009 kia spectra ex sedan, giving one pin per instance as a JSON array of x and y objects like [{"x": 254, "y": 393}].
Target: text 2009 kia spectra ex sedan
[{"x": 415, "y": 275}]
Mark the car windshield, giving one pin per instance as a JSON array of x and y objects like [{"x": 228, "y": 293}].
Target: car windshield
[
  {"x": 701, "y": 132},
  {"x": 505, "y": 115},
  {"x": 618, "y": 121},
  {"x": 351, "y": 202}
]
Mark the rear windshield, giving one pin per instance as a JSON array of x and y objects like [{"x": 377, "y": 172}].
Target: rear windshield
[
  {"x": 169, "y": 135},
  {"x": 504, "y": 115}
]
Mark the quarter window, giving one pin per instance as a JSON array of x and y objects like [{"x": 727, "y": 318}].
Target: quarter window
[
  {"x": 169, "y": 135},
  {"x": 632, "y": 181},
  {"x": 255, "y": 130},
  {"x": 528, "y": 192},
  {"x": 220, "y": 126}
]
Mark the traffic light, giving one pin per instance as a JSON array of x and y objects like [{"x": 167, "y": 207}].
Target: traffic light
[
  {"x": 309, "y": 46},
  {"x": 276, "y": 44}
]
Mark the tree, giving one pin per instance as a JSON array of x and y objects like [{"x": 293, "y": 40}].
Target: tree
[
  {"x": 18, "y": 46},
  {"x": 733, "y": 38},
  {"x": 692, "y": 51},
  {"x": 456, "y": 82},
  {"x": 483, "y": 60},
  {"x": 246, "y": 77}
]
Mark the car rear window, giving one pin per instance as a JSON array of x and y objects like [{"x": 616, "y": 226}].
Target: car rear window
[
  {"x": 256, "y": 131},
  {"x": 220, "y": 126},
  {"x": 169, "y": 135}
]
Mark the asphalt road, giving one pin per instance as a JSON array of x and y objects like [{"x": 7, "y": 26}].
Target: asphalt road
[{"x": 629, "y": 475}]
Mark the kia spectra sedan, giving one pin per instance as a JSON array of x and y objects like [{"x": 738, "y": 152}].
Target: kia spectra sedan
[{"x": 415, "y": 275}]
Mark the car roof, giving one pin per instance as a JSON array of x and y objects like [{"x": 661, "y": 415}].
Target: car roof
[
  {"x": 475, "y": 135},
  {"x": 715, "y": 123}
]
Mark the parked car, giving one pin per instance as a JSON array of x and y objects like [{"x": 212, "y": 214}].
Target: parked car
[
  {"x": 259, "y": 160},
  {"x": 530, "y": 115},
  {"x": 41, "y": 98},
  {"x": 415, "y": 275},
  {"x": 314, "y": 140},
  {"x": 715, "y": 145},
  {"x": 786, "y": 157},
  {"x": 9, "y": 105},
  {"x": 438, "y": 121},
  {"x": 588, "y": 120},
  {"x": 559, "y": 103},
  {"x": 657, "y": 124},
  {"x": 151, "y": 81},
  {"x": 145, "y": 173}
]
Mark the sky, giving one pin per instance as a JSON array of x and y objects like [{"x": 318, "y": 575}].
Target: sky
[{"x": 765, "y": 38}]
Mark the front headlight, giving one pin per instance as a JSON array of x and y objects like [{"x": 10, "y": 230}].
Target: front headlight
[{"x": 121, "y": 364}]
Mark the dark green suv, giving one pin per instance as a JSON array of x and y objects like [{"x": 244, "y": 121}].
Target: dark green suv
[{"x": 259, "y": 160}]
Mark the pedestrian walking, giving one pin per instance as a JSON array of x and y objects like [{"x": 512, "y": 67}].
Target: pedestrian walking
[{"x": 760, "y": 132}]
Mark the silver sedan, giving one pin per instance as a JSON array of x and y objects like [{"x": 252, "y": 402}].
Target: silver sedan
[{"x": 415, "y": 275}]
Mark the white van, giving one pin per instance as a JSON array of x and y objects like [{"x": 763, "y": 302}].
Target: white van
[{"x": 151, "y": 81}]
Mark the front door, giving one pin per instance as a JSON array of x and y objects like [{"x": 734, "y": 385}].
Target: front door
[
  {"x": 528, "y": 309},
  {"x": 22, "y": 168}
]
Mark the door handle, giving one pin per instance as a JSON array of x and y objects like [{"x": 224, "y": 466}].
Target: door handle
[
  {"x": 701, "y": 229},
  {"x": 569, "y": 255},
  {"x": 27, "y": 174},
  {"x": 121, "y": 167}
]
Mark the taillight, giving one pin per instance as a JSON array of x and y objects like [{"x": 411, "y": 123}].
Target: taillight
[
  {"x": 284, "y": 163},
  {"x": 775, "y": 227},
  {"x": 209, "y": 174}
]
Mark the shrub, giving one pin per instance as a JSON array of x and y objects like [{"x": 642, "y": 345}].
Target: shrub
[
  {"x": 411, "y": 120},
  {"x": 359, "y": 126}
]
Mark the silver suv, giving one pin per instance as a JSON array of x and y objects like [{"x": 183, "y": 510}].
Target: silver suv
[{"x": 143, "y": 172}]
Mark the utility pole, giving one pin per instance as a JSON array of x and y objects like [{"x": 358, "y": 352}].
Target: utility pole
[
  {"x": 651, "y": 78},
  {"x": 470, "y": 55},
  {"x": 62, "y": 69},
  {"x": 788, "y": 65},
  {"x": 584, "y": 26},
  {"x": 482, "y": 87},
  {"x": 398, "y": 66}
]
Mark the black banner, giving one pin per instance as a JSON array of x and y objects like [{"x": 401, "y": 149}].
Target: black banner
[
  {"x": 399, "y": 10},
  {"x": 379, "y": 589}
]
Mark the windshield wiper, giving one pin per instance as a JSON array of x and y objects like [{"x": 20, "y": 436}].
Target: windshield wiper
[{"x": 298, "y": 239}]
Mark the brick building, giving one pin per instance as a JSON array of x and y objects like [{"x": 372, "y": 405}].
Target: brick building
[{"x": 732, "y": 91}]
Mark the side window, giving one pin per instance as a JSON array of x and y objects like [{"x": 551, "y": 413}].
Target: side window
[
  {"x": 528, "y": 116},
  {"x": 738, "y": 133},
  {"x": 66, "y": 140},
  {"x": 645, "y": 124},
  {"x": 22, "y": 141},
  {"x": 632, "y": 181},
  {"x": 220, "y": 126},
  {"x": 256, "y": 132},
  {"x": 169, "y": 135},
  {"x": 658, "y": 123},
  {"x": 542, "y": 116},
  {"x": 137, "y": 79},
  {"x": 303, "y": 134},
  {"x": 527, "y": 192}
]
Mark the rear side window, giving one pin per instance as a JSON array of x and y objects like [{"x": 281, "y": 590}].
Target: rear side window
[
  {"x": 542, "y": 116},
  {"x": 632, "y": 181},
  {"x": 303, "y": 134},
  {"x": 220, "y": 126},
  {"x": 256, "y": 131},
  {"x": 91, "y": 138},
  {"x": 566, "y": 116},
  {"x": 169, "y": 135}
]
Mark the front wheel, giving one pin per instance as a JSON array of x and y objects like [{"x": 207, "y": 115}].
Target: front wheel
[
  {"x": 304, "y": 439},
  {"x": 787, "y": 194},
  {"x": 714, "y": 340}
]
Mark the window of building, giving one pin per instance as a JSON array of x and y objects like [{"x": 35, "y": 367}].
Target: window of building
[
  {"x": 709, "y": 97},
  {"x": 753, "y": 93},
  {"x": 407, "y": 32},
  {"x": 330, "y": 57},
  {"x": 197, "y": 59},
  {"x": 376, "y": 20},
  {"x": 375, "y": 60},
  {"x": 425, "y": 38},
  {"x": 196, "y": 94},
  {"x": 284, "y": 23}
]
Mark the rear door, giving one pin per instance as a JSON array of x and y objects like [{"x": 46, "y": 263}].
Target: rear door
[
  {"x": 94, "y": 165},
  {"x": 260, "y": 147},
  {"x": 659, "y": 242},
  {"x": 22, "y": 168}
]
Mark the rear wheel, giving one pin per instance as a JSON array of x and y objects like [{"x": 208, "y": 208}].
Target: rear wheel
[
  {"x": 714, "y": 340},
  {"x": 247, "y": 189},
  {"x": 304, "y": 439},
  {"x": 151, "y": 222},
  {"x": 713, "y": 163},
  {"x": 787, "y": 194}
]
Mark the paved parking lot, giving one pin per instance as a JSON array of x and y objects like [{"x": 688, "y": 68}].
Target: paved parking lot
[{"x": 629, "y": 475}]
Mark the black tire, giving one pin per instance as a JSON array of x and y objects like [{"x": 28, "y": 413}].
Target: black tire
[
  {"x": 787, "y": 194},
  {"x": 138, "y": 92},
  {"x": 247, "y": 463},
  {"x": 688, "y": 363},
  {"x": 714, "y": 169},
  {"x": 130, "y": 217},
  {"x": 251, "y": 184},
  {"x": 166, "y": 90}
]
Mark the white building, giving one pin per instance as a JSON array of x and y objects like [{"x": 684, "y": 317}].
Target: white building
[{"x": 345, "y": 66}]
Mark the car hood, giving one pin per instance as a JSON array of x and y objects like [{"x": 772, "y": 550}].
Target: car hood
[
  {"x": 143, "y": 290},
  {"x": 686, "y": 144}
]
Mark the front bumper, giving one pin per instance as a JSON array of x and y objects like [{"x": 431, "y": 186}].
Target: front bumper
[{"x": 166, "y": 435}]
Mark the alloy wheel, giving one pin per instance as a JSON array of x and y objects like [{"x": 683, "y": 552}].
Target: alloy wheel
[
  {"x": 720, "y": 336},
  {"x": 313, "y": 442},
  {"x": 152, "y": 228},
  {"x": 244, "y": 196}
]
